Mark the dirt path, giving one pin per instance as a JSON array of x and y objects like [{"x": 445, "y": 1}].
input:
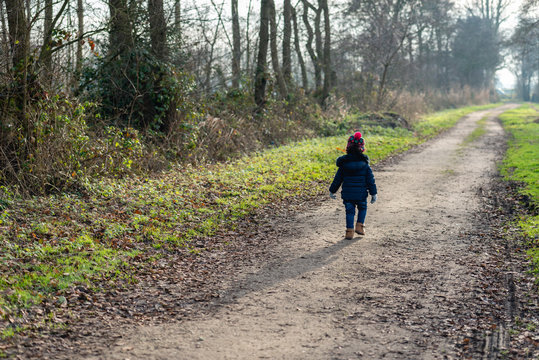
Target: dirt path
[{"x": 391, "y": 294}]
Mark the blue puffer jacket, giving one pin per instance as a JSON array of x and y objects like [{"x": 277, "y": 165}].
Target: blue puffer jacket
[{"x": 356, "y": 178}]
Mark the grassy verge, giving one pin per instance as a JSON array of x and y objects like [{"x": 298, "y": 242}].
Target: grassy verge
[
  {"x": 520, "y": 164},
  {"x": 48, "y": 244}
]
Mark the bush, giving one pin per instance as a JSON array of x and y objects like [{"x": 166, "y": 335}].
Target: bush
[
  {"x": 58, "y": 150},
  {"x": 227, "y": 126},
  {"x": 137, "y": 90}
]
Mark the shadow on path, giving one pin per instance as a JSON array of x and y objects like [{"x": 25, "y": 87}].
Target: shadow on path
[{"x": 278, "y": 272}]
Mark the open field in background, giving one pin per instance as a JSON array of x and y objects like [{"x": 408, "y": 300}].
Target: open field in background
[
  {"x": 521, "y": 165},
  {"x": 48, "y": 244}
]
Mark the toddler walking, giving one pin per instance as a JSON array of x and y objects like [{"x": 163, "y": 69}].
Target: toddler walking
[{"x": 357, "y": 181}]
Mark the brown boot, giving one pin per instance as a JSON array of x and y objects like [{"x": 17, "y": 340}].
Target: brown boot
[
  {"x": 360, "y": 229},
  {"x": 349, "y": 234}
]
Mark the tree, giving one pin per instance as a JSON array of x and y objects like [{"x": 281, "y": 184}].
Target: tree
[
  {"x": 80, "y": 33},
  {"x": 525, "y": 47},
  {"x": 491, "y": 10},
  {"x": 328, "y": 72},
  {"x": 261, "y": 62},
  {"x": 236, "y": 41},
  {"x": 177, "y": 16},
  {"x": 299, "y": 53},
  {"x": 287, "y": 36},
  {"x": 387, "y": 25},
  {"x": 121, "y": 34},
  {"x": 318, "y": 47},
  {"x": 19, "y": 38},
  {"x": 429, "y": 41},
  {"x": 309, "y": 44},
  {"x": 475, "y": 52},
  {"x": 212, "y": 43},
  {"x": 158, "y": 29},
  {"x": 281, "y": 83},
  {"x": 47, "y": 29}
]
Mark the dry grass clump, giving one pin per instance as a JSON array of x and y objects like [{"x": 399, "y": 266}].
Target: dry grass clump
[{"x": 413, "y": 104}]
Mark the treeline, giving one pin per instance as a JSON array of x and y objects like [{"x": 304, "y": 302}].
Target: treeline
[
  {"x": 108, "y": 87},
  {"x": 524, "y": 46}
]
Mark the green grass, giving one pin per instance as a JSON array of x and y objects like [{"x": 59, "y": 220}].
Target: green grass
[
  {"x": 479, "y": 131},
  {"x": 521, "y": 164},
  {"x": 48, "y": 244}
]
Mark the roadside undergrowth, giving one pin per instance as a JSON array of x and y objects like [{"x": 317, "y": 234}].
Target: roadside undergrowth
[
  {"x": 520, "y": 165},
  {"x": 50, "y": 244}
]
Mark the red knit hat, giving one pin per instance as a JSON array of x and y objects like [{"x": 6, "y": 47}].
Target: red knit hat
[{"x": 356, "y": 141}]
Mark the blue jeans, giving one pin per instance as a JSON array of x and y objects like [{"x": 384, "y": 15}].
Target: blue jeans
[{"x": 350, "y": 206}]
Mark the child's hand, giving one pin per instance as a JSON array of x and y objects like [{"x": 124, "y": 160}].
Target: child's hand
[
  {"x": 374, "y": 198},
  {"x": 332, "y": 195}
]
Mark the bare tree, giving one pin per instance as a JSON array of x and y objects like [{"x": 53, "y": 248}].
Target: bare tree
[
  {"x": 5, "y": 42},
  {"x": 328, "y": 72},
  {"x": 80, "y": 33},
  {"x": 274, "y": 53},
  {"x": 236, "y": 51},
  {"x": 248, "y": 40},
  {"x": 492, "y": 10},
  {"x": 261, "y": 63},
  {"x": 177, "y": 16},
  {"x": 50, "y": 23},
  {"x": 386, "y": 25},
  {"x": 309, "y": 44},
  {"x": 319, "y": 47},
  {"x": 212, "y": 43},
  {"x": 299, "y": 53},
  {"x": 287, "y": 36},
  {"x": 525, "y": 47},
  {"x": 47, "y": 29}
]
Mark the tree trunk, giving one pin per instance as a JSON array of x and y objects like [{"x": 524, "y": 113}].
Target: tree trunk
[
  {"x": 211, "y": 42},
  {"x": 274, "y": 53},
  {"x": 18, "y": 34},
  {"x": 47, "y": 30},
  {"x": 319, "y": 46},
  {"x": 261, "y": 62},
  {"x": 177, "y": 17},
  {"x": 158, "y": 29},
  {"x": 248, "y": 41},
  {"x": 20, "y": 44},
  {"x": 304, "y": 80},
  {"x": 80, "y": 19},
  {"x": 309, "y": 44},
  {"x": 236, "y": 51},
  {"x": 5, "y": 42},
  {"x": 121, "y": 37},
  {"x": 328, "y": 72},
  {"x": 287, "y": 35}
]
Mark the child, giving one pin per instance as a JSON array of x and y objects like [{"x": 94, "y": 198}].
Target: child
[{"x": 357, "y": 181}]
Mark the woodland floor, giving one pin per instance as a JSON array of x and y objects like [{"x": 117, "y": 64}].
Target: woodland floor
[{"x": 432, "y": 279}]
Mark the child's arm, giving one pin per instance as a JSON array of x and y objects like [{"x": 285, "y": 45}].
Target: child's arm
[
  {"x": 337, "y": 181},
  {"x": 371, "y": 184}
]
